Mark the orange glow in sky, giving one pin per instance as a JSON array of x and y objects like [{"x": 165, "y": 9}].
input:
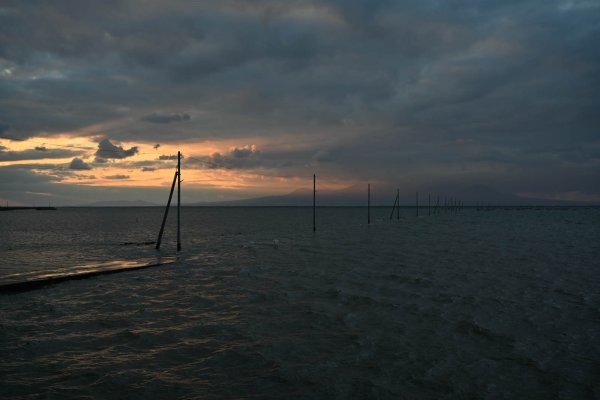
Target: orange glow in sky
[{"x": 145, "y": 169}]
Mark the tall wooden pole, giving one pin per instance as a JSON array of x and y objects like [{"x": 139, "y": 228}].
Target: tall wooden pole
[
  {"x": 417, "y": 204},
  {"x": 369, "y": 203},
  {"x": 314, "y": 201},
  {"x": 398, "y": 197},
  {"x": 162, "y": 226},
  {"x": 178, "y": 200}
]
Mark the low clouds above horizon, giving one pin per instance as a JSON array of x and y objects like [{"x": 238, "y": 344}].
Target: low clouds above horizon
[
  {"x": 495, "y": 92},
  {"x": 37, "y": 153}
]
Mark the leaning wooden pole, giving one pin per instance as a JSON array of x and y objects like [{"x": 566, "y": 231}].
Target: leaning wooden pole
[
  {"x": 394, "y": 206},
  {"x": 314, "y": 201},
  {"x": 162, "y": 226}
]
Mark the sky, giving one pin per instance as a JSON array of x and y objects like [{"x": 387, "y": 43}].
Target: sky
[{"x": 97, "y": 97}]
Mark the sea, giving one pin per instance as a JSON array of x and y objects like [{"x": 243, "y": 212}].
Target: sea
[{"x": 493, "y": 303}]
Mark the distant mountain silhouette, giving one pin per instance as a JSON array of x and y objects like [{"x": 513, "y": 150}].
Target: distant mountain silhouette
[
  {"x": 382, "y": 195},
  {"x": 121, "y": 203}
]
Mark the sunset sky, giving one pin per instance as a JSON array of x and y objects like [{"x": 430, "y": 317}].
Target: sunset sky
[{"x": 97, "y": 97}]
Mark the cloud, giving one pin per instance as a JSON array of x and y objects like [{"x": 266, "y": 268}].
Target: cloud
[
  {"x": 148, "y": 169},
  {"x": 79, "y": 164},
  {"x": 107, "y": 150},
  {"x": 117, "y": 176},
  {"x": 165, "y": 118},
  {"x": 393, "y": 84},
  {"x": 100, "y": 161},
  {"x": 326, "y": 155},
  {"x": 165, "y": 157},
  {"x": 35, "y": 154},
  {"x": 237, "y": 158},
  {"x": 244, "y": 152}
]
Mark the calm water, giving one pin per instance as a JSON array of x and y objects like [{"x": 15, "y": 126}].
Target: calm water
[{"x": 481, "y": 304}]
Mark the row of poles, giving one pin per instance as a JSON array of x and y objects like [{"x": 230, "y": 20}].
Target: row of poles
[{"x": 451, "y": 205}]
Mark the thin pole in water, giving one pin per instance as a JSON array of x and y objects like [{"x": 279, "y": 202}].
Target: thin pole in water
[
  {"x": 162, "y": 226},
  {"x": 417, "y": 204},
  {"x": 429, "y": 204},
  {"x": 398, "y": 196},
  {"x": 368, "y": 203},
  {"x": 314, "y": 201},
  {"x": 178, "y": 200}
]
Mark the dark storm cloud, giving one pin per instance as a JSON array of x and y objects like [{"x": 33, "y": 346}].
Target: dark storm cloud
[
  {"x": 392, "y": 83},
  {"x": 165, "y": 118},
  {"x": 79, "y": 164},
  {"x": 107, "y": 150},
  {"x": 271, "y": 163}
]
